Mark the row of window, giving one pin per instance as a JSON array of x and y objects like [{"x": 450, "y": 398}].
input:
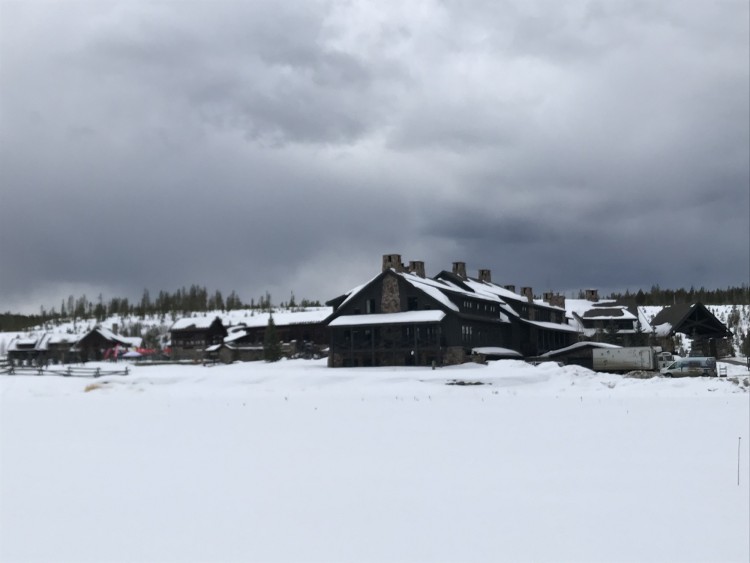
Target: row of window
[{"x": 487, "y": 307}]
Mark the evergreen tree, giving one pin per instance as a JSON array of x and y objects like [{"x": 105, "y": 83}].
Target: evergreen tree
[{"x": 271, "y": 343}]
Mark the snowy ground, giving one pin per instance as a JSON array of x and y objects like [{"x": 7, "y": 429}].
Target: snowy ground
[{"x": 296, "y": 462}]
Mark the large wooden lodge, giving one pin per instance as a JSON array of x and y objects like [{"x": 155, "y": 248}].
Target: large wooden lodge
[{"x": 402, "y": 317}]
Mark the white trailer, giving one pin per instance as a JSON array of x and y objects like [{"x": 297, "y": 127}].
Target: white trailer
[{"x": 625, "y": 359}]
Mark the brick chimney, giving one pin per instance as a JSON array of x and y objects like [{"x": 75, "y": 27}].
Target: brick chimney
[
  {"x": 485, "y": 276},
  {"x": 392, "y": 261},
  {"x": 592, "y": 295},
  {"x": 528, "y": 293},
  {"x": 459, "y": 268},
  {"x": 510, "y": 287},
  {"x": 416, "y": 267}
]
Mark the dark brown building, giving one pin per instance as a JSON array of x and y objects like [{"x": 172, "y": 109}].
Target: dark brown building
[
  {"x": 99, "y": 344},
  {"x": 191, "y": 337},
  {"x": 401, "y": 317}
]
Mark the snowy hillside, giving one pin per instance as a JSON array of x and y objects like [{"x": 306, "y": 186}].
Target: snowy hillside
[
  {"x": 133, "y": 325},
  {"x": 293, "y": 461}
]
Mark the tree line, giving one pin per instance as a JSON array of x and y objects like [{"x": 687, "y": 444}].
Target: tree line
[
  {"x": 657, "y": 296},
  {"x": 174, "y": 304}
]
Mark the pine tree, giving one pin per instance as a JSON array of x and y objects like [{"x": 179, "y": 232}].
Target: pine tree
[{"x": 271, "y": 343}]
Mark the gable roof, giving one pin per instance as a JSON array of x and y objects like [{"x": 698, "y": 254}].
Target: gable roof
[
  {"x": 490, "y": 289},
  {"x": 688, "y": 319},
  {"x": 439, "y": 290},
  {"x": 106, "y": 334}
]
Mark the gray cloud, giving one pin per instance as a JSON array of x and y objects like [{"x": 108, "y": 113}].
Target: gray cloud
[{"x": 284, "y": 148}]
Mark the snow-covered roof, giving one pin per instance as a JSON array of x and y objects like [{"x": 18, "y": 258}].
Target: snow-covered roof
[
  {"x": 353, "y": 292},
  {"x": 41, "y": 341},
  {"x": 431, "y": 289},
  {"x": 663, "y": 329},
  {"x": 429, "y": 316},
  {"x": 577, "y": 345},
  {"x": 552, "y": 326},
  {"x": 283, "y": 318},
  {"x": 496, "y": 351},
  {"x": 504, "y": 293},
  {"x": 434, "y": 288},
  {"x": 132, "y": 341},
  {"x": 56, "y": 338},
  {"x": 485, "y": 295},
  {"x": 192, "y": 323},
  {"x": 580, "y": 306},
  {"x": 111, "y": 336},
  {"x": 280, "y": 318}
]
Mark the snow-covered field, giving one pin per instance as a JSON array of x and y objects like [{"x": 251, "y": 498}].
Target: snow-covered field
[{"x": 296, "y": 462}]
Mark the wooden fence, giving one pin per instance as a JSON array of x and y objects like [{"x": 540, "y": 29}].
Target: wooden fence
[{"x": 70, "y": 371}]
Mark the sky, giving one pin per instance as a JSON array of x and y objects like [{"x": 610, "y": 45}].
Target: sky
[{"x": 285, "y": 147}]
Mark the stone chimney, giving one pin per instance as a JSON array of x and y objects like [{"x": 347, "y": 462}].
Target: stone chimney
[
  {"x": 592, "y": 295},
  {"x": 485, "y": 276},
  {"x": 558, "y": 301},
  {"x": 555, "y": 299},
  {"x": 417, "y": 267},
  {"x": 510, "y": 287},
  {"x": 528, "y": 293},
  {"x": 459, "y": 268},
  {"x": 392, "y": 261}
]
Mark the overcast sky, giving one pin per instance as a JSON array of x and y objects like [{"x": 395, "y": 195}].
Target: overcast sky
[{"x": 285, "y": 146}]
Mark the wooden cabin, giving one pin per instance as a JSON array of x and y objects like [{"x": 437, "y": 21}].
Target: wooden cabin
[{"x": 191, "y": 336}]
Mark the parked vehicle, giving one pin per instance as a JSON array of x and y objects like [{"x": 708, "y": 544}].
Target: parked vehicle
[
  {"x": 664, "y": 359},
  {"x": 692, "y": 367},
  {"x": 635, "y": 358}
]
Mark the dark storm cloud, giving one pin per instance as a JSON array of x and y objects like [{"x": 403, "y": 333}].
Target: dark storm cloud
[{"x": 261, "y": 147}]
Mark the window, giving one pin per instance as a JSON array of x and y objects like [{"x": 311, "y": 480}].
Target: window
[
  {"x": 412, "y": 304},
  {"x": 370, "y": 306}
]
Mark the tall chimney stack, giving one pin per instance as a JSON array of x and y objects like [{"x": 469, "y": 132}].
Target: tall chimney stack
[
  {"x": 528, "y": 293},
  {"x": 459, "y": 268},
  {"x": 392, "y": 261},
  {"x": 485, "y": 276},
  {"x": 510, "y": 287},
  {"x": 417, "y": 267},
  {"x": 555, "y": 299},
  {"x": 592, "y": 295}
]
